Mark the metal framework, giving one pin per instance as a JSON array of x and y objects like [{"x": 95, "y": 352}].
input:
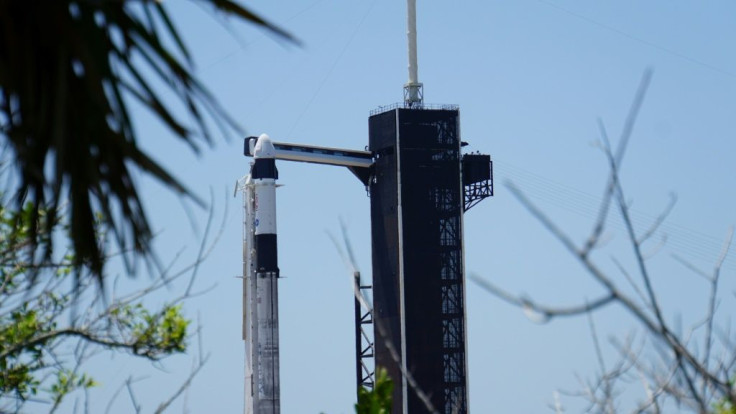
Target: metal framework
[
  {"x": 417, "y": 206},
  {"x": 315, "y": 154},
  {"x": 448, "y": 210},
  {"x": 477, "y": 179},
  {"x": 358, "y": 162},
  {"x": 365, "y": 363}
]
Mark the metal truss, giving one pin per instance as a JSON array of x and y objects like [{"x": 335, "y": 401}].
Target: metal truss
[
  {"x": 365, "y": 366},
  {"x": 448, "y": 204},
  {"x": 474, "y": 193}
]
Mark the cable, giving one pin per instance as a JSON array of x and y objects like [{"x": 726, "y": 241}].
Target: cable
[
  {"x": 243, "y": 46},
  {"x": 640, "y": 40},
  {"x": 332, "y": 68}
]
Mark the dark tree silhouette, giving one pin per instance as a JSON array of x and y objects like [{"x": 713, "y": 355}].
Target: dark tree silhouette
[{"x": 68, "y": 72}]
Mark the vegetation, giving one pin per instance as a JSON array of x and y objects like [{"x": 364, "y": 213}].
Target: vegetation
[
  {"x": 49, "y": 326},
  {"x": 69, "y": 72},
  {"x": 377, "y": 400}
]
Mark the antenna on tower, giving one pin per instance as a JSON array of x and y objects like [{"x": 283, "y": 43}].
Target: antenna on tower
[{"x": 413, "y": 90}]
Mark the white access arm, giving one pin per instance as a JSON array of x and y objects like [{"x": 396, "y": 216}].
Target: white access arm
[{"x": 315, "y": 155}]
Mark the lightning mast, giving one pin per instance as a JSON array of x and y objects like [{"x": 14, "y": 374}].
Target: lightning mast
[{"x": 413, "y": 90}]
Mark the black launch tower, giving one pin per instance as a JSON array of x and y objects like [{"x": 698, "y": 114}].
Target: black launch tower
[{"x": 420, "y": 187}]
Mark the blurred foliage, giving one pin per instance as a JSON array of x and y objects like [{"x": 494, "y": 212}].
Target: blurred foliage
[
  {"x": 44, "y": 338},
  {"x": 70, "y": 71},
  {"x": 377, "y": 400},
  {"x": 725, "y": 406}
]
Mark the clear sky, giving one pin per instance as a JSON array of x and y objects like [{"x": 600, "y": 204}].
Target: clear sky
[{"x": 531, "y": 77}]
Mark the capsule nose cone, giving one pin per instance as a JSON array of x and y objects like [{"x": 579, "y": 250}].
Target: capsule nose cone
[{"x": 264, "y": 147}]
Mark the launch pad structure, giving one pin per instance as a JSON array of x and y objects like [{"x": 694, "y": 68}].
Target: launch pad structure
[
  {"x": 417, "y": 205},
  {"x": 420, "y": 185}
]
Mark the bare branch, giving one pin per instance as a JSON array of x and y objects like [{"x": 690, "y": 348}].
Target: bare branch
[
  {"x": 131, "y": 394},
  {"x": 683, "y": 373},
  {"x": 558, "y": 405},
  {"x": 607, "y": 405},
  {"x": 655, "y": 249},
  {"x": 545, "y": 312},
  {"x": 659, "y": 220},
  {"x": 539, "y": 215},
  {"x": 597, "y": 274},
  {"x": 662, "y": 328},
  {"x": 633, "y": 114},
  {"x": 629, "y": 279},
  {"x": 710, "y": 316},
  {"x": 623, "y": 143},
  {"x": 184, "y": 386},
  {"x": 604, "y": 208},
  {"x": 691, "y": 267}
]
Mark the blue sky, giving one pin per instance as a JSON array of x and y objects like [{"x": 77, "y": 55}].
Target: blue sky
[{"x": 532, "y": 77}]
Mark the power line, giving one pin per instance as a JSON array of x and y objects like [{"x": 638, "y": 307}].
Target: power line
[
  {"x": 243, "y": 46},
  {"x": 332, "y": 67},
  {"x": 640, "y": 40}
]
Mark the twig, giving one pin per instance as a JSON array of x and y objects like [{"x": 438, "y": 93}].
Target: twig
[
  {"x": 547, "y": 312},
  {"x": 628, "y": 277},
  {"x": 712, "y": 302},
  {"x": 659, "y": 220},
  {"x": 184, "y": 386},
  {"x": 131, "y": 394}
]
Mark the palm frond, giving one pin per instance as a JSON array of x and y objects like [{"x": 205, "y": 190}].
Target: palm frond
[{"x": 68, "y": 73}]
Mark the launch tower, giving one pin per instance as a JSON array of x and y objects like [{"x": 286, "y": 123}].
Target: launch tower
[
  {"x": 420, "y": 189},
  {"x": 421, "y": 185}
]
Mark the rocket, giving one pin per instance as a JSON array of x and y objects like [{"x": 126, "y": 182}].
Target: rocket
[{"x": 262, "y": 288}]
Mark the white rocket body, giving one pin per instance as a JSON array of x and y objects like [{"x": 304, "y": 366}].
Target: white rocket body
[
  {"x": 248, "y": 295},
  {"x": 261, "y": 326}
]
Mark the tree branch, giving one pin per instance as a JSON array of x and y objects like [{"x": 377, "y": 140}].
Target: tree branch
[{"x": 547, "y": 312}]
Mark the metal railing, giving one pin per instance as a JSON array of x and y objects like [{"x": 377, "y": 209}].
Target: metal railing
[{"x": 404, "y": 105}]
